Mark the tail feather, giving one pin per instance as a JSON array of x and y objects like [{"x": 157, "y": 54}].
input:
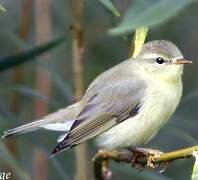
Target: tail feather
[
  {"x": 61, "y": 120},
  {"x": 63, "y": 145},
  {"x": 23, "y": 129}
]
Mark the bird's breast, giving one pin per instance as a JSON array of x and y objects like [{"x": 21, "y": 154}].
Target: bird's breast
[{"x": 158, "y": 104}]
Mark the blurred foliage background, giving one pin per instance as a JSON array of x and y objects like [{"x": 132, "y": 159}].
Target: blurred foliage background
[{"x": 21, "y": 41}]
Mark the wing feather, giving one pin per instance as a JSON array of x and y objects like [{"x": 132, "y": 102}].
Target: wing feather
[{"x": 108, "y": 101}]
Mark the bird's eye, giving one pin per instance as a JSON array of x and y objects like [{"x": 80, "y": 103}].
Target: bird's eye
[{"x": 160, "y": 60}]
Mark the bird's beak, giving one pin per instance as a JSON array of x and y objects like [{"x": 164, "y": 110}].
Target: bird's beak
[{"x": 182, "y": 61}]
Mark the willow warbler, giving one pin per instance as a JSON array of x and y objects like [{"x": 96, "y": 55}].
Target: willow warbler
[{"x": 124, "y": 106}]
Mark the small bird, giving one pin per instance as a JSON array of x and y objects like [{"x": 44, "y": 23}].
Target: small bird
[{"x": 124, "y": 106}]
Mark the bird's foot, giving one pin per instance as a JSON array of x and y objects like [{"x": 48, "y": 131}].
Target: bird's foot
[
  {"x": 107, "y": 173},
  {"x": 150, "y": 154}
]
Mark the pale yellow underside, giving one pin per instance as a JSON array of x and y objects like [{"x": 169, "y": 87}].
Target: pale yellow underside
[{"x": 161, "y": 99}]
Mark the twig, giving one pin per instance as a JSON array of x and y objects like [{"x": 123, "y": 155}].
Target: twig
[
  {"x": 105, "y": 155},
  {"x": 183, "y": 153},
  {"x": 78, "y": 71},
  {"x": 43, "y": 81}
]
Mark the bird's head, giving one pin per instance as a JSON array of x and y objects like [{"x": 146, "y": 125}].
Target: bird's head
[{"x": 162, "y": 58}]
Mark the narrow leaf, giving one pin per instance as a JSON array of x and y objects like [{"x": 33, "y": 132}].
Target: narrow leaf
[
  {"x": 7, "y": 114},
  {"x": 2, "y": 8},
  {"x": 10, "y": 160},
  {"x": 195, "y": 168},
  {"x": 29, "y": 92},
  {"x": 108, "y": 4},
  {"x": 138, "y": 41},
  {"x": 180, "y": 133},
  {"x": 14, "y": 60},
  {"x": 36, "y": 141},
  {"x": 59, "y": 168},
  {"x": 148, "y": 13},
  {"x": 64, "y": 88}
]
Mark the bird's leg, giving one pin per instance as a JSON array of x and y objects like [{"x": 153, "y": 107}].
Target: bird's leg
[
  {"x": 150, "y": 154},
  {"x": 165, "y": 166},
  {"x": 136, "y": 154},
  {"x": 105, "y": 169}
]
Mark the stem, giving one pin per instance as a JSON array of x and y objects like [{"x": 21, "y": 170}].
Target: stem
[
  {"x": 183, "y": 153},
  {"x": 105, "y": 155},
  {"x": 17, "y": 74},
  {"x": 78, "y": 71},
  {"x": 43, "y": 82}
]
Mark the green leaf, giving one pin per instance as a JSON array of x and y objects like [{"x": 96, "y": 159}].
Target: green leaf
[
  {"x": 14, "y": 60},
  {"x": 13, "y": 38},
  {"x": 7, "y": 114},
  {"x": 148, "y": 13},
  {"x": 2, "y": 8},
  {"x": 108, "y": 4},
  {"x": 59, "y": 168},
  {"x": 10, "y": 160},
  {"x": 195, "y": 168},
  {"x": 64, "y": 88},
  {"x": 180, "y": 133},
  {"x": 36, "y": 141},
  {"x": 29, "y": 92},
  {"x": 34, "y": 93},
  {"x": 138, "y": 41}
]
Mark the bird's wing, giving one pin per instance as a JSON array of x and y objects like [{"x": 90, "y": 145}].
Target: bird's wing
[{"x": 107, "y": 104}]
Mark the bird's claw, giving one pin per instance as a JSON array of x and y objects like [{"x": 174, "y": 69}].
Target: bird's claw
[
  {"x": 107, "y": 173},
  {"x": 151, "y": 154},
  {"x": 165, "y": 166}
]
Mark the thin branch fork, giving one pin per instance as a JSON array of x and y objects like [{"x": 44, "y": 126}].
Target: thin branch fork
[{"x": 101, "y": 159}]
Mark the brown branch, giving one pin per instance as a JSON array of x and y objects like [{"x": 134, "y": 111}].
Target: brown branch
[
  {"x": 17, "y": 74},
  {"x": 105, "y": 155},
  {"x": 43, "y": 81},
  {"x": 78, "y": 72}
]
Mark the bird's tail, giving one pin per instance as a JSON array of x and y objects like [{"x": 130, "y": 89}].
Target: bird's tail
[{"x": 61, "y": 120}]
